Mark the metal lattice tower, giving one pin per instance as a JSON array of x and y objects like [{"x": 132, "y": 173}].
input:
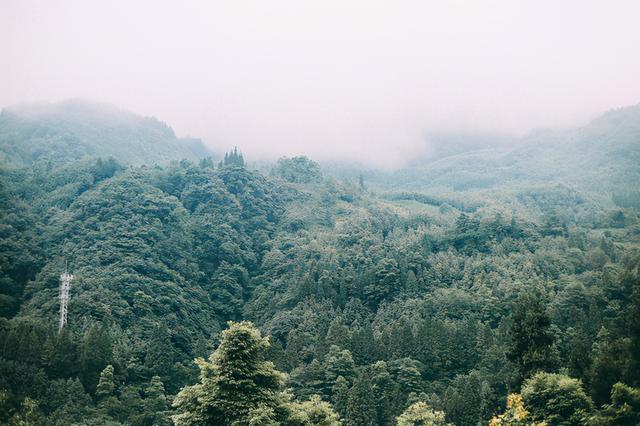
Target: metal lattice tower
[{"x": 65, "y": 286}]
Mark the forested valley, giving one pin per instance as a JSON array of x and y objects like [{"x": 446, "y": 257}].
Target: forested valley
[{"x": 483, "y": 287}]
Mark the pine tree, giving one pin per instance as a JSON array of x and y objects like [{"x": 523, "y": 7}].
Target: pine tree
[
  {"x": 95, "y": 355},
  {"x": 385, "y": 391},
  {"x": 309, "y": 379},
  {"x": 60, "y": 354},
  {"x": 108, "y": 404},
  {"x": 234, "y": 381},
  {"x": 160, "y": 354},
  {"x": 531, "y": 339},
  {"x": 206, "y": 163},
  {"x": 338, "y": 362},
  {"x": 363, "y": 344},
  {"x": 233, "y": 159},
  {"x": 106, "y": 385},
  {"x": 386, "y": 283},
  {"x": 407, "y": 373},
  {"x": 338, "y": 333},
  {"x": 361, "y": 408},
  {"x": 68, "y": 400},
  {"x": 609, "y": 363},
  {"x": 464, "y": 399},
  {"x": 340, "y": 395},
  {"x": 155, "y": 404},
  {"x": 155, "y": 393}
]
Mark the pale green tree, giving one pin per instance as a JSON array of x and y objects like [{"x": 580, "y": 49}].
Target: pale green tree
[
  {"x": 421, "y": 414},
  {"x": 236, "y": 381}
]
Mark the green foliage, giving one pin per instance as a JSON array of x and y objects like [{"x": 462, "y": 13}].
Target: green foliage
[
  {"x": 609, "y": 358},
  {"x": 297, "y": 170},
  {"x": 468, "y": 399},
  {"x": 106, "y": 386},
  {"x": 531, "y": 338},
  {"x": 556, "y": 399},
  {"x": 361, "y": 406},
  {"x": 95, "y": 355},
  {"x": 20, "y": 246},
  {"x": 156, "y": 407},
  {"x": 234, "y": 381},
  {"x": 624, "y": 408},
  {"x": 515, "y": 414},
  {"x": 67, "y": 402},
  {"x": 29, "y": 414},
  {"x": 312, "y": 412},
  {"x": 420, "y": 414}
]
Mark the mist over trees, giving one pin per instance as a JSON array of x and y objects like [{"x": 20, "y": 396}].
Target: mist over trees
[{"x": 481, "y": 288}]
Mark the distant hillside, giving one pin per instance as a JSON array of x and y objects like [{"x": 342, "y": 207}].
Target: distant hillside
[
  {"x": 71, "y": 130},
  {"x": 603, "y": 156}
]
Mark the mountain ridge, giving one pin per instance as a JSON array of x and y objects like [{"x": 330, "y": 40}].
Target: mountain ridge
[{"x": 73, "y": 129}]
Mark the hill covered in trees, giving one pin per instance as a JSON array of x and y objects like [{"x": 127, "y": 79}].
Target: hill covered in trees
[
  {"x": 441, "y": 301},
  {"x": 602, "y": 156},
  {"x": 71, "y": 130}
]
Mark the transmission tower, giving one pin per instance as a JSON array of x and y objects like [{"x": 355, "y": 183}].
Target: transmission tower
[{"x": 65, "y": 286}]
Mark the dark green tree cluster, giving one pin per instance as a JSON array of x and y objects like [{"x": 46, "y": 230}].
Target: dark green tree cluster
[{"x": 232, "y": 159}]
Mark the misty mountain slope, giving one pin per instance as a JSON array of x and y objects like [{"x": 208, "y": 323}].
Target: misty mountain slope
[
  {"x": 73, "y": 129},
  {"x": 603, "y": 157}
]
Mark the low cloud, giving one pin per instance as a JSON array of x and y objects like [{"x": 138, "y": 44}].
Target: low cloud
[{"x": 365, "y": 80}]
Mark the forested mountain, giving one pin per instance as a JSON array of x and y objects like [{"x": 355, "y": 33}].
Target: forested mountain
[
  {"x": 70, "y": 130},
  {"x": 602, "y": 155},
  {"x": 499, "y": 286}
]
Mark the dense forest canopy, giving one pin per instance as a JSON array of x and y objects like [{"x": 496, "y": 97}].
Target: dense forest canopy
[{"x": 482, "y": 286}]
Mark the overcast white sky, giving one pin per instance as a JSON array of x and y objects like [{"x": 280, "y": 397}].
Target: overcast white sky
[{"x": 365, "y": 79}]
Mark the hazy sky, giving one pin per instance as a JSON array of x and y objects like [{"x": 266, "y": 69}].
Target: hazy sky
[{"x": 367, "y": 79}]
